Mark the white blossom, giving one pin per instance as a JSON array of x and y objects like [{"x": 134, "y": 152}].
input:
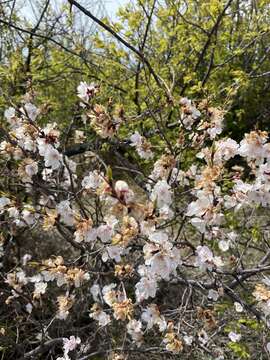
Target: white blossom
[
  {"x": 252, "y": 146},
  {"x": 161, "y": 194},
  {"x": 161, "y": 256},
  {"x": 52, "y": 158},
  {"x": 40, "y": 288},
  {"x": 188, "y": 340},
  {"x": 95, "y": 292},
  {"x": 225, "y": 150},
  {"x": 204, "y": 258},
  {"x": 234, "y": 337},
  {"x": 66, "y": 213},
  {"x": 30, "y": 111},
  {"x": 224, "y": 245},
  {"x": 146, "y": 287},
  {"x": 142, "y": 146},
  {"x": 213, "y": 295},
  {"x": 92, "y": 181},
  {"x": 238, "y": 307},
  {"x": 134, "y": 329},
  {"x": 4, "y": 201},
  {"x": 106, "y": 231},
  {"x": 151, "y": 316},
  {"x": 100, "y": 316},
  {"x": 29, "y": 308},
  {"x": 9, "y": 113}
]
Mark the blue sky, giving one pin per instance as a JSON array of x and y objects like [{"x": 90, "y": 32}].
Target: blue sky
[{"x": 111, "y": 6}]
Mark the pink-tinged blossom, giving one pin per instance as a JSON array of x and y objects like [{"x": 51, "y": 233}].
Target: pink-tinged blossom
[
  {"x": 91, "y": 235},
  {"x": 43, "y": 146},
  {"x": 123, "y": 192},
  {"x": 70, "y": 344},
  {"x": 194, "y": 112},
  {"x": 86, "y": 91},
  {"x": 105, "y": 233},
  {"x": 216, "y": 124},
  {"x": 112, "y": 252},
  {"x": 239, "y": 197},
  {"x": 263, "y": 173}
]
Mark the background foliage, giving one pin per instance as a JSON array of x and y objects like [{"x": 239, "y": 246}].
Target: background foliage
[{"x": 212, "y": 50}]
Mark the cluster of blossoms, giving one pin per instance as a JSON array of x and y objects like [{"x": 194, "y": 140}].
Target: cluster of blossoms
[{"x": 129, "y": 254}]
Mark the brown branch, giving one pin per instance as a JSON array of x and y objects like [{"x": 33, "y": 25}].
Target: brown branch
[
  {"x": 41, "y": 349},
  {"x": 138, "y": 70},
  {"x": 34, "y": 30},
  {"x": 209, "y": 39},
  {"x": 30, "y": 32},
  {"x": 120, "y": 39},
  {"x": 212, "y": 32}
]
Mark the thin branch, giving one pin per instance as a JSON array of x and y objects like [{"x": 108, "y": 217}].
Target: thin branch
[
  {"x": 30, "y": 32},
  {"x": 120, "y": 39},
  {"x": 42, "y": 348}
]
